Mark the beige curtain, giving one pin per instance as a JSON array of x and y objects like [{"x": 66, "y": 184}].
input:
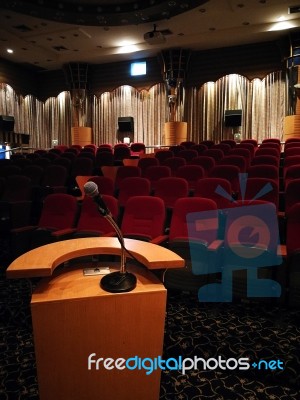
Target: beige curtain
[
  {"x": 148, "y": 108},
  {"x": 263, "y": 103}
]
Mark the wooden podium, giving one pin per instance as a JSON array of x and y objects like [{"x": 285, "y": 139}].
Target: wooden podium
[
  {"x": 74, "y": 318},
  {"x": 81, "y": 135},
  {"x": 175, "y": 132}
]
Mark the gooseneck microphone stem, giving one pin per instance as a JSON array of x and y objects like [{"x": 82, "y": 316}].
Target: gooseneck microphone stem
[
  {"x": 113, "y": 223},
  {"x": 122, "y": 280}
]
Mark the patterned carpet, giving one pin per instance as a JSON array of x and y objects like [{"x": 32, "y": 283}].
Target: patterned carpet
[{"x": 238, "y": 330}]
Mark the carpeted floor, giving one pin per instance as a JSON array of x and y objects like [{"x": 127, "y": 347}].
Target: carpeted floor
[{"x": 236, "y": 330}]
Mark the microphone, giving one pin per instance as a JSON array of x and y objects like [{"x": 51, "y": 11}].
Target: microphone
[
  {"x": 115, "y": 282},
  {"x": 91, "y": 189}
]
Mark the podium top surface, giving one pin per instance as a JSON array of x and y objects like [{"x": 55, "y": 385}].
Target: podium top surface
[
  {"x": 69, "y": 283},
  {"x": 42, "y": 261}
]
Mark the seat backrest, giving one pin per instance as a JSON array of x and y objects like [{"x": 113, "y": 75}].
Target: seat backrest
[
  {"x": 9, "y": 169},
  {"x": 55, "y": 175},
  {"x": 217, "y": 189},
  {"x": 252, "y": 141},
  {"x": 188, "y": 154},
  {"x": 65, "y": 162},
  {"x": 104, "y": 158},
  {"x": 146, "y": 162},
  {"x": 229, "y": 172},
  {"x": 216, "y": 154},
  {"x": 42, "y": 162},
  {"x": 126, "y": 171},
  {"x": 248, "y": 146},
  {"x": 137, "y": 147},
  {"x": 144, "y": 216},
  {"x": 225, "y": 147},
  {"x": 187, "y": 144},
  {"x": 231, "y": 142},
  {"x": 263, "y": 171},
  {"x": 265, "y": 159},
  {"x": 59, "y": 211},
  {"x": 239, "y": 151},
  {"x": 261, "y": 189},
  {"x": 292, "y": 151},
  {"x": 292, "y": 193},
  {"x": 163, "y": 154},
  {"x": 268, "y": 151},
  {"x": 199, "y": 148},
  {"x": 133, "y": 186},
  {"x": 179, "y": 228},
  {"x": 90, "y": 219},
  {"x": 154, "y": 173},
  {"x": 35, "y": 173},
  {"x": 170, "y": 189},
  {"x": 208, "y": 143},
  {"x": 121, "y": 152},
  {"x": 290, "y": 145},
  {"x": 176, "y": 148},
  {"x": 82, "y": 166},
  {"x": 105, "y": 184},
  {"x": 291, "y": 173},
  {"x": 272, "y": 140},
  {"x": 174, "y": 163},
  {"x": 204, "y": 161},
  {"x": 239, "y": 161},
  {"x": 17, "y": 188},
  {"x": 191, "y": 173},
  {"x": 292, "y": 229}
]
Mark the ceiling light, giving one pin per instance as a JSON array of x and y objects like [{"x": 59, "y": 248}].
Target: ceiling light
[
  {"x": 282, "y": 25},
  {"x": 10, "y": 51},
  {"x": 130, "y": 48}
]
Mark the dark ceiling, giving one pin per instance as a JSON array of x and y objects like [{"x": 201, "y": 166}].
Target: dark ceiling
[{"x": 47, "y": 34}]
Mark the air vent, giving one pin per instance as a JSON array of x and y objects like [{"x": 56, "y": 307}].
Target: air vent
[
  {"x": 23, "y": 28},
  {"x": 166, "y": 32},
  {"x": 294, "y": 9},
  {"x": 60, "y": 48}
]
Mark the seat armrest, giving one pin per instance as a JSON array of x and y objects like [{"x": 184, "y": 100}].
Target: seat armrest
[
  {"x": 22, "y": 229},
  {"x": 109, "y": 234},
  {"x": 159, "y": 239},
  {"x": 281, "y": 250},
  {"x": 281, "y": 214},
  {"x": 215, "y": 245},
  {"x": 60, "y": 234}
]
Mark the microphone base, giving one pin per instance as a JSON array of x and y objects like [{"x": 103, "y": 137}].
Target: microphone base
[{"x": 118, "y": 282}]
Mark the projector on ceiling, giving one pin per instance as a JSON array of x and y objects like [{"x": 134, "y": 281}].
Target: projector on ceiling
[{"x": 154, "y": 37}]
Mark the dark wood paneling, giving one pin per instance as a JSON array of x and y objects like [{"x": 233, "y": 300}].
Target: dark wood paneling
[
  {"x": 106, "y": 77},
  {"x": 51, "y": 83},
  {"x": 252, "y": 61},
  {"x": 20, "y": 78}
]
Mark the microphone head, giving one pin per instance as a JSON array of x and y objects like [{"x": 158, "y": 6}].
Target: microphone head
[{"x": 91, "y": 189}]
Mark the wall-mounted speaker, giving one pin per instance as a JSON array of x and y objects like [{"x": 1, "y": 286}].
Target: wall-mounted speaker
[
  {"x": 126, "y": 124},
  {"x": 7, "y": 123},
  {"x": 233, "y": 118},
  {"x": 125, "y": 129}
]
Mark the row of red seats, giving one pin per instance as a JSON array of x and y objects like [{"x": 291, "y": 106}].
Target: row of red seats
[{"x": 143, "y": 219}]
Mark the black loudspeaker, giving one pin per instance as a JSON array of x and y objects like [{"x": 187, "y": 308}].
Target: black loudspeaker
[
  {"x": 25, "y": 138},
  {"x": 125, "y": 124},
  {"x": 125, "y": 129},
  {"x": 7, "y": 123},
  {"x": 233, "y": 118}
]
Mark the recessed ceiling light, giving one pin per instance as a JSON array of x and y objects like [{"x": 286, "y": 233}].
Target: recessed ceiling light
[
  {"x": 130, "y": 48},
  {"x": 10, "y": 51},
  {"x": 282, "y": 25}
]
